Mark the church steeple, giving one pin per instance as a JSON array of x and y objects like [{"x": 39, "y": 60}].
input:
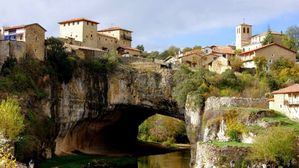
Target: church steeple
[{"x": 243, "y": 35}]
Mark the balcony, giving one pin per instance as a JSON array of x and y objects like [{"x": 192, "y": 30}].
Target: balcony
[
  {"x": 293, "y": 102},
  {"x": 126, "y": 37}
]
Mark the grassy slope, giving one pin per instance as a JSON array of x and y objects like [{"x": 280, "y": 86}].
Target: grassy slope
[{"x": 277, "y": 119}]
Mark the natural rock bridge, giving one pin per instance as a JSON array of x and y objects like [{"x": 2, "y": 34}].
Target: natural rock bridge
[{"x": 96, "y": 114}]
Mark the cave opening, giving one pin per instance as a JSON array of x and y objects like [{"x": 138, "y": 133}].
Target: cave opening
[{"x": 114, "y": 134}]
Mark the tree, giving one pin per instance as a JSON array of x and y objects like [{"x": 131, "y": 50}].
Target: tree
[
  {"x": 61, "y": 63},
  {"x": 269, "y": 38},
  {"x": 197, "y": 47},
  {"x": 236, "y": 63},
  {"x": 140, "y": 47},
  {"x": 173, "y": 51},
  {"x": 260, "y": 63},
  {"x": 238, "y": 51},
  {"x": 11, "y": 119},
  {"x": 275, "y": 144},
  {"x": 187, "y": 49}
]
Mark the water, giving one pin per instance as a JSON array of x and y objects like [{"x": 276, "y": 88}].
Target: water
[{"x": 177, "y": 159}]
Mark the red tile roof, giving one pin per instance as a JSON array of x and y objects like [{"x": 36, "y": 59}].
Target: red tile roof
[
  {"x": 22, "y": 26},
  {"x": 291, "y": 89},
  {"x": 262, "y": 47},
  {"x": 223, "y": 49},
  {"x": 113, "y": 29},
  {"x": 77, "y": 20}
]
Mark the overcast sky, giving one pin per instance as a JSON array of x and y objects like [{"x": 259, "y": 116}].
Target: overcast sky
[{"x": 157, "y": 24}]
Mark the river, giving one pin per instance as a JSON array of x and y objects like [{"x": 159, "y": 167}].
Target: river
[{"x": 175, "y": 159}]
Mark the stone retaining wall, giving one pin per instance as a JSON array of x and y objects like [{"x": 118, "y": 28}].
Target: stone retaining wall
[{"x": 216, "y": 103}]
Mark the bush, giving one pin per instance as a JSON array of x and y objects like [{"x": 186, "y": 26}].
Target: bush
[
  {"x": 8, "y": 66},
  {"x": 235, "y": 127},
  {"x": 276, "y": 144},
  {"x": 162, "y": 129},
  {"x": 6, "y": 157},
  {"x": 107, "y": 63},
  {"x": 60, "y": 63},
  {"x": 11, "y": 119}
]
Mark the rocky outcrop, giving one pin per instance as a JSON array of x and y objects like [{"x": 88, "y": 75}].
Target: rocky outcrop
[
  {"x": 196, "y": 118},
  {"x": 211, "y": 156},
  {"x": 96, "y": 112}
]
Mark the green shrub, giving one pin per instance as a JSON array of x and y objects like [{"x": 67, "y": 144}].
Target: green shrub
[
  {"x": 7, "y": 66},
  {"x": 162, "y": 129},
  {"x": 60, "y": 63},
  {"x": 235, "y": 127},
  {"x": 107, "y": 63},
  {"x": 234, "y": 135},
  {"x": 276, "y": 144},
  {"x": 11, "y": 119}
]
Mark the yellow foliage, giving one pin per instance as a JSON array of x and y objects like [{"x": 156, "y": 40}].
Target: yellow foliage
[
  {"x": 7, "y": 160},
  {"x": 11, "y": 119}
]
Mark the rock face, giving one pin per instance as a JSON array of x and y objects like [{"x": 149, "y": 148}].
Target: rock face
[
  {"x": 212, "y": 156},
  {"x": 98, "y": 113},
  {"x": 198, "y": 133}
]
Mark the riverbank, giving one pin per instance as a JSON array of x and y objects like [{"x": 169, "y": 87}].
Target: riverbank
[{"x": 141, "y": 156}]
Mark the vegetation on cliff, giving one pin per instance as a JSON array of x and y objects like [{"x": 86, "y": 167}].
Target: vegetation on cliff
[
  {"x": 230, "y": 83},
  {"x": 275, "y": 145},
  {"x": 163, "y": 129},
  {"x": 11, "y": 125}
]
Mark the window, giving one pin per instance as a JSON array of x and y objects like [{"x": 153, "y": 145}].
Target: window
[
  {"x": 68, "y": 24},
  {"x": 91, "y": 35},
  {"x": 73, "y": 23},
  {"x": 244, "y": 30},
  {"x": 247, "y": 29},
  {"x": 87, "y": 23},
  {"x": 77, "y": 23}
]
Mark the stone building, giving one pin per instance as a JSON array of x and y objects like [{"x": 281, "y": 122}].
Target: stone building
[
  {"x": 222, "y": 54},
  {"x": 245, "y": 41},
  {"x": 197, "y": 58},
  {"x": 123, "y": 36},
  {"x": 84, "y": 32},
  {"x": 219, "y": 65},
  {"x": 286, "y": 101},
  {"x": 271, "y": 52},
  {"x": 32, "y": 35}
]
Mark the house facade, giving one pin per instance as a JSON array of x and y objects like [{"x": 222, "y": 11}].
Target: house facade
[
  {"x": 271, "y": 52},
  {"x": 85, "y": 33},
  {"x": 245, "y": 41},
  {"x": 219, "y": 65},
  {"x": 32, "y": 35},
  {"x": 286, "y": 101}
]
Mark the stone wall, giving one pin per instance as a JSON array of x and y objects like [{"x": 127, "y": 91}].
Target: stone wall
[
  {"x": 15, "y": 49},
  {"x": 212, "y": 156},
  {"x": 216, "y": 103}
]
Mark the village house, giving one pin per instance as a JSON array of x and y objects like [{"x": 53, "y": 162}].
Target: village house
[
  {"x": 23, "y": 40},
  {"x": 221, "y": 56},
  {"x": 251, "y": 46},
  {"x": 245, "y": 41},
  {"x": 197, "y": 58},
  {"x": 84, "y": 32},
  {"x": 286, "y": 101},
  {"x": 271, "y": 52}
]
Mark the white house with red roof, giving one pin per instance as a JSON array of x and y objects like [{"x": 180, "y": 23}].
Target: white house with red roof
[
  {"x": 84, "y": 32},
  {"x": 286, "y": 101},
  {"x": 271, "y": 52}
]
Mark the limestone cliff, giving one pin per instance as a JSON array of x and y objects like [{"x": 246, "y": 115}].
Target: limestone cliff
[{"x": 99, "y": 113}]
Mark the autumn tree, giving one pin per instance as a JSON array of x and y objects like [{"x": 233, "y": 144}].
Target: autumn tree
[{"x": 236, "y": 63}]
